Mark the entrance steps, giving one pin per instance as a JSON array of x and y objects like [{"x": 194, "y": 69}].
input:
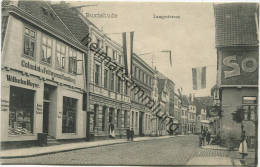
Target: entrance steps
[{"x": 52, "y": 141}]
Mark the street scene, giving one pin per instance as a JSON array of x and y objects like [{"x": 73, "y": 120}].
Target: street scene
[{"x": 129, "y": 83}]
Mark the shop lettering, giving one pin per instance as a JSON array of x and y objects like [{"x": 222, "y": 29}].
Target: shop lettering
[
  {"x": 4, "y": 105},
  {"x": 248, "y": 64},
  {"x": 46, "y": 71},
  {"x": 21, "y": 81}
]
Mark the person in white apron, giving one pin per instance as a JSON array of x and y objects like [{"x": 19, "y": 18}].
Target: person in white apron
[{"x": 243, "y": 145}]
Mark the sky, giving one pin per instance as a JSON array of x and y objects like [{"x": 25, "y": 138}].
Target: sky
[{"x": 190, "y": 36}]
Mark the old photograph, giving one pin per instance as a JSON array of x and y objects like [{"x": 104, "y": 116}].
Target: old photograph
[{"x": 120, "y": 83}]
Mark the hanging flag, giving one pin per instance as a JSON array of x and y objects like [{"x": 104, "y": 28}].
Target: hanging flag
[
  {"x": 128, "y": 50},
  {"x": 170, "y": 55},
  {"x": 199, "y": 78}
]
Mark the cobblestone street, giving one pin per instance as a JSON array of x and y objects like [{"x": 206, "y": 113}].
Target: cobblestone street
[{"x": 173, "y": 151}]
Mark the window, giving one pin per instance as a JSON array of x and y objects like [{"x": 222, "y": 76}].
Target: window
[
  {"x": 118, "y": 85},
  {"x": 4, "y": 26},
  {"x": 69, "y": 115},
  {"x": 126, "y": 89},
  {"x": 21, "y": 111},
  {"x": 105, "y": 78},
  {"x": 135, "y": 72},
  {"x": 46, "y": 50},
  {"x": 112, "y": 81},
  {"x": 146, "y": 81},
  {"x": 139, "y": 75},
  {"x": 250, "y": 107},
  {"x": 74, "y": 68},
  {"x": 143, "y": 77},
  {"x": 120, "y": 59},
  {"x": 107, "y": 50},
  {"x": 29, "y": 42},
  {"x": 60, "y": 55},
  {"x": 114, "y": 55},
  {"x": 97, "y": 74}
]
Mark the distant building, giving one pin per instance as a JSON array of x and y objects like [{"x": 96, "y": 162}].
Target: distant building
[{"x": 237, "y": 43}]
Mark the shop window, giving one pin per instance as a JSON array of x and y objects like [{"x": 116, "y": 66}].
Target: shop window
[
  {"x": 69, "y": 115},
  {"x": 250, "y": 108},
  {"x": 29, "y": 42},
  {"x": 97, "y": 74},
  {"x": 105, "y": 78},
  {"x": 46, "y": 50},
  {"x": 60, "y": 55},
  {"x": 21, "y": 111}
]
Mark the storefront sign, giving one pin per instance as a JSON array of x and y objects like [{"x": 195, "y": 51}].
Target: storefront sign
[
  {"x": 22, "y": 81},
  {"x": 39, "y": 109},
  {"x": 4, "y": 105},
  {"x": 41, "y": 69},
  {"x": 239, "y": 67}
]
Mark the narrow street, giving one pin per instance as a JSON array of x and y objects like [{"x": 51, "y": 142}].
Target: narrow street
[{"x": 173, "y": 151}]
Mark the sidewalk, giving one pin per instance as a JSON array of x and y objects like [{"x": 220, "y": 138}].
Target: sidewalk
[
  {"x": 35, "y": 151},
  {"x": 216, "y": 155}
]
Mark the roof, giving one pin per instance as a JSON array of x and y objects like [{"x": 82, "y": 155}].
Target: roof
[
  {"x": 71, "y": 18},
  {"x": 236, "y": 24},
  {"x": 43, "y": 12}
]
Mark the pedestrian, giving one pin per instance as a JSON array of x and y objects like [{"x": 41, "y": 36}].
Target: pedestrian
[
  {"x": 243, "y": 145},
  {"x": 208, "y": 135},
  {"x": 200, "y": 139},
  {"x": 132, "y": 134},
  {"x": 111, "y": 130},
  {"x": 203, "y": 136},
  {"x": 128, "y": 134}
]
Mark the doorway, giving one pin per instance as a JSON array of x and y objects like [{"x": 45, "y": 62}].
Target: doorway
[
  {"x": 48, "y": 96},
  {"x": 141, "y": 124},
  {"x": 45, "y": 127}
]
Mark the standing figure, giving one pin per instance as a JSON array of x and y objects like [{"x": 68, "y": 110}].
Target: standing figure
[
  {"x": 111, "y": 130},
  {"x": 208, "y": 137},
  {"x": 243, "y": 145},
  {"x": 203, "y": 136},
  {"x": 132, "y": 134}
]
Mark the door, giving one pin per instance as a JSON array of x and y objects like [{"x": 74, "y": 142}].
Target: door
[
  {"x": 88, "y": 126},
  {"x": 45, "y": 126},
  {"x": 141, "y": 124}
]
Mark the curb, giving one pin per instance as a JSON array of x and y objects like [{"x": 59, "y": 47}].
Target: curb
[{"x": 73, "y": 149}]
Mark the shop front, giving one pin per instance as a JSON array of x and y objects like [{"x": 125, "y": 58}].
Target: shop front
[{"x": 31, "y": 105}]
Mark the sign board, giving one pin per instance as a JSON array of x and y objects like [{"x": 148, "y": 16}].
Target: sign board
[{"x": 239, "y": 67}]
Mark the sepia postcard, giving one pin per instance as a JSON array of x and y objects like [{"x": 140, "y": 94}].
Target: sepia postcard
[{"x": 121, "y": 83}]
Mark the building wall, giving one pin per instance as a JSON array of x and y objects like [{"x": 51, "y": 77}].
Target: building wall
[
  {"x": 14, "y": 64},
  {"x": 231, "y": 100}
]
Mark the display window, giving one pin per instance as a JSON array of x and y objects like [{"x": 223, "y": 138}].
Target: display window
[
  {"x": 69, "y": 115},
  {"x": 21, "y": 111}
]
